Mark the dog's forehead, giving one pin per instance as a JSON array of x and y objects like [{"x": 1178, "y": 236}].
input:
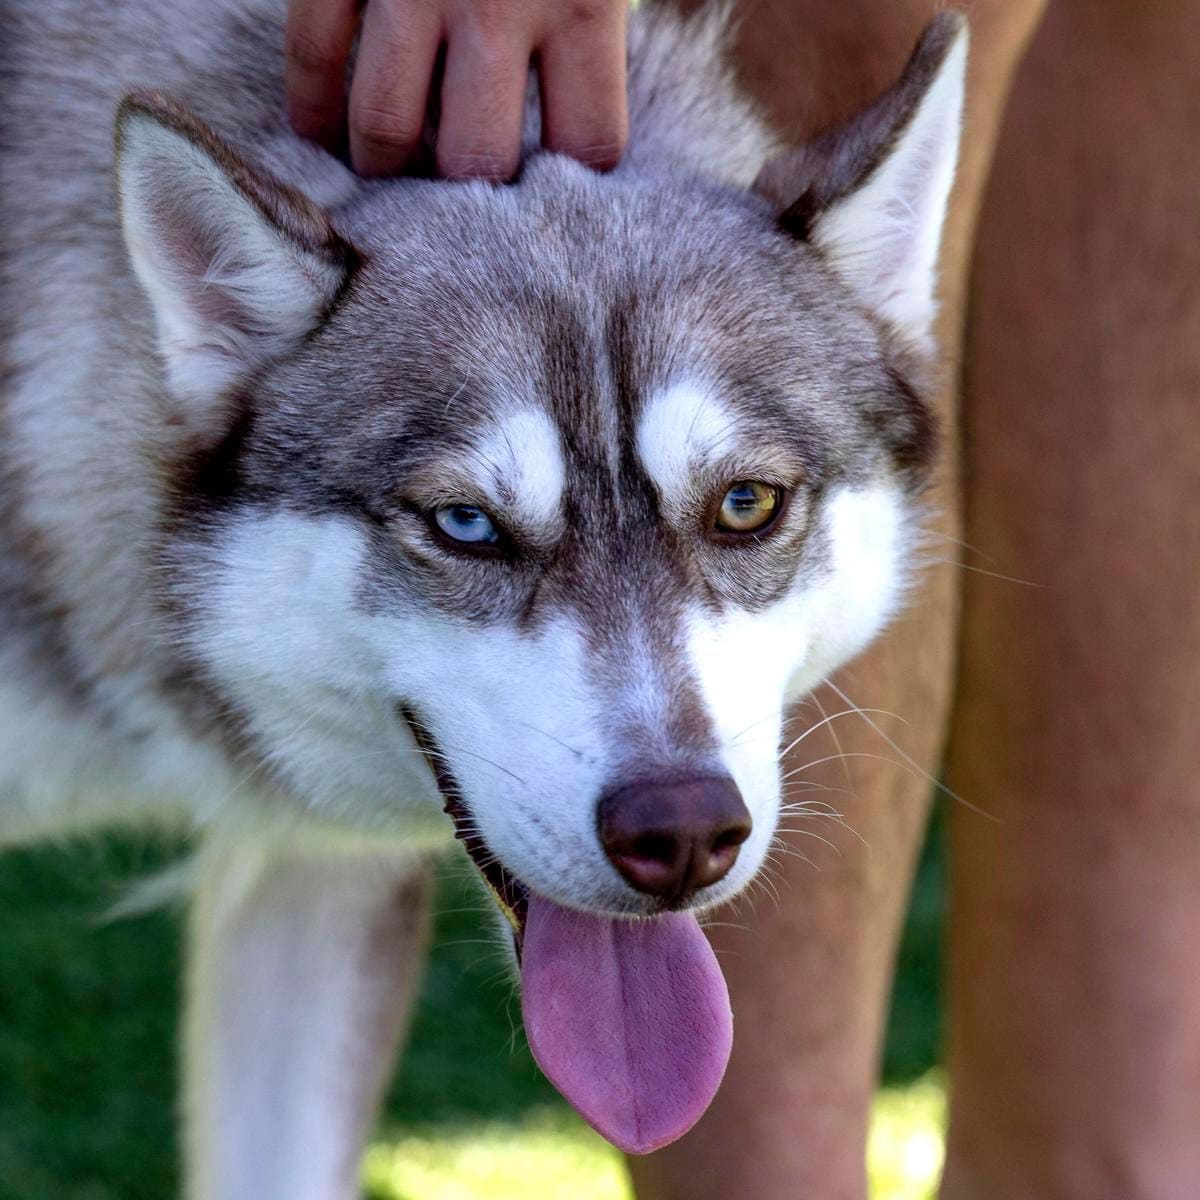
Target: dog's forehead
[
  {"x": 571, "y": 266},
  {"x": 558, "y": 335},
  {"x": 586, "y": 304}
]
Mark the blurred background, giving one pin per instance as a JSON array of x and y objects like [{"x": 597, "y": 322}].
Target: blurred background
[{"x": 88, "y": 1013}]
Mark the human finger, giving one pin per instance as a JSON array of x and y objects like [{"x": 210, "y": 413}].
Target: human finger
[
  {"x": 483, "y": 101},
  {"x": 581, "y": 66},
  {"x": 390, "y": 91},
  {"x": 317, "y": 41}
]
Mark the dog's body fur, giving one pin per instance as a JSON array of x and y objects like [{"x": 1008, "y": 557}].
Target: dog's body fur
[{"x": 220, "y": 596}]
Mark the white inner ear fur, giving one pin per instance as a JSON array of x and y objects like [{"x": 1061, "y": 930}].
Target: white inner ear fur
[
  {"x": 229, "y": 290},
  {"x": 883, "y": 239}
]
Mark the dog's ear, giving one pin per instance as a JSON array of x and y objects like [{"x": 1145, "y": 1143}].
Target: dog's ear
[
  {"x": 872, "y": 194},
  {"x": 238, "y": 267}
]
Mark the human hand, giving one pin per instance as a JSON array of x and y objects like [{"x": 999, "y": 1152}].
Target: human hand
[{"x": 580, "y": 50}]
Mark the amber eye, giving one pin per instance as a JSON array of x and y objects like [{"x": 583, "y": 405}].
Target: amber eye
[{"x": 748, "y": 506}]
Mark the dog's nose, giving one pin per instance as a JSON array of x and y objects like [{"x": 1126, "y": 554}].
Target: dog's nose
[{"x": 670, "y": 839}]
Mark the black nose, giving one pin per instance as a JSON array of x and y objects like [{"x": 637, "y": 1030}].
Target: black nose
[{"x": 670, "y": 839}]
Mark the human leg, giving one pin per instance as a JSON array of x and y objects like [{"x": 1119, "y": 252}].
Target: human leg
[
  {"x": 1075, "y": 1019},
  {"x": 809, "y": 976}
]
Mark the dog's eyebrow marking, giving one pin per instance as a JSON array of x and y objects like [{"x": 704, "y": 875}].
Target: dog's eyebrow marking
[
  {"x": 519, "y": 467},
  {"x": 680, "y": 431}
]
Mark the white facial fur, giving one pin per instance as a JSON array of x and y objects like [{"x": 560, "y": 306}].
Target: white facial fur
[
  {"x": 870, "y": 530},
  {"x": 281, "y": 631},
  {"x": 683, "y": 429},
  {"x": 519, "y": 468},
  {"x": 320, "y": 679},
  {"x": 752, "y": 664}
]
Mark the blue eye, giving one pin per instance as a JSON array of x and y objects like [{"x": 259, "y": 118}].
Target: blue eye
[{"x": 466, "y": 523}]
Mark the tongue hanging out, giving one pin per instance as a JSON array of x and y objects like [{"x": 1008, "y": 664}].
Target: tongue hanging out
[{"x": 629, "y": 1019}]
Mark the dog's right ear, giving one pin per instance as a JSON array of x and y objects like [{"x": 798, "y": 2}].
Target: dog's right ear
[
  {"x": 871, "y": 194},
  {"x": 238, "y": 267}
]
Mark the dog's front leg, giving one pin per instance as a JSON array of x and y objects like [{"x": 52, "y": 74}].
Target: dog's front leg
[{"x": 302, "y": 968}]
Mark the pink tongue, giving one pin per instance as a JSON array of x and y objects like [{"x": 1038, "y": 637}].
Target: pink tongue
[{"x": 630, "y": 1020}]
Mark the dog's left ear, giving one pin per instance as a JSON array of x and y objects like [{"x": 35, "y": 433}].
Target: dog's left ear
[
  {"x": 872, "y": 194},
  {"x": 239, "y": 268}
]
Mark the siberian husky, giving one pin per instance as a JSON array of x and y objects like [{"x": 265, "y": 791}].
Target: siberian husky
[{"x": 340, "y": 518}]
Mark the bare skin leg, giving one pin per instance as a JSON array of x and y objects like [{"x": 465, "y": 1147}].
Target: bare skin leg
[
  {"x": 809, "y": 976},
  {"x": 1076, "y": 944}
]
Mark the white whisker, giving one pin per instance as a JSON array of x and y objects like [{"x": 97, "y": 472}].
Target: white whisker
[{"x": 912, "y": 762}]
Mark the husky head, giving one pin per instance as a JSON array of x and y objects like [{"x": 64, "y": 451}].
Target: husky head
[{"x": 561, "y": 489}]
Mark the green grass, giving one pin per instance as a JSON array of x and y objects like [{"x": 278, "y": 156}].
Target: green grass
[
  {"x": 88, "y": 1023},
  {"x": 497, "y": 1160}
]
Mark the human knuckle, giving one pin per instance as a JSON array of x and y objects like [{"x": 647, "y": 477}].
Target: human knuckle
[
  {"x": 493, "y": 56},
  {"x": 577, "y": 14},
  {"x": 310, "y": 54},
  {"x": 600, "y": 153},
  {"x": 497, "y": 17},
  {"x": 379, "y": 125}
]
